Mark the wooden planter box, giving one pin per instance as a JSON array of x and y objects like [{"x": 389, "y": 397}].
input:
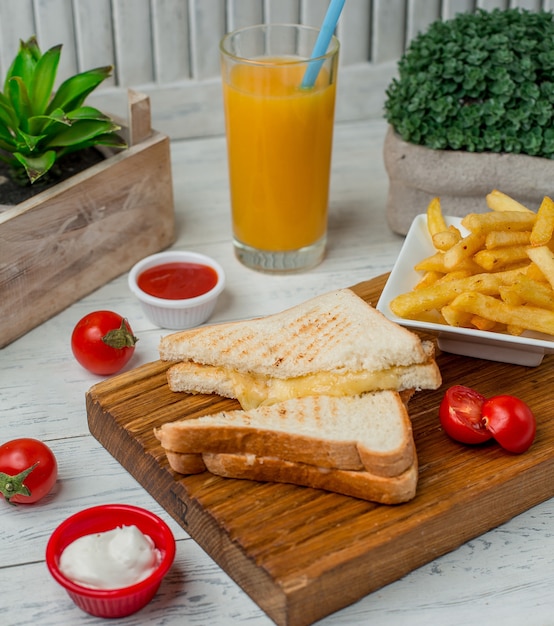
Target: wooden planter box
[
  {"x": 71, "y": 239},
  {"x": 461, "y": 179}
]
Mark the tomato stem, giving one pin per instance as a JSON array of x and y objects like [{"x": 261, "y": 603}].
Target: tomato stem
[
  {"x": 11, "y": 486},
  {"x": 120, "y": 338}
]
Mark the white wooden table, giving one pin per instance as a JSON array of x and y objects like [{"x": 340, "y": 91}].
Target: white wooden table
[{"x": 505, "y": 576}]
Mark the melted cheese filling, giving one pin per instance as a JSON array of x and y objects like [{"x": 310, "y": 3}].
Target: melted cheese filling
[{"x": 253, "y": 390}]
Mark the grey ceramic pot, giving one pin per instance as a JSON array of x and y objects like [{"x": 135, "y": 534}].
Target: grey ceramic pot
[{"x": 460, "y": 179}]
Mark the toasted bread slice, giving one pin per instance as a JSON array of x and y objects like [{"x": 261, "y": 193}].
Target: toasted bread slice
[
  {"x": 358, "y": 484},
  {"x": 367, "y": 432},
  {"x": 334, "y": 332}
]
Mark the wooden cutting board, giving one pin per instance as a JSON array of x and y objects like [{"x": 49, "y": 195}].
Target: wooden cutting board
[{"x": 301, "y": 553}]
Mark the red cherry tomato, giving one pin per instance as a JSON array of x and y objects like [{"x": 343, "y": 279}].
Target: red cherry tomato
[
  {"x": 103, "y": 342},
  {"x": 460, "y": 415},
  {"x": 510, "y": 421},
  {"x": 28, "y": 470}
]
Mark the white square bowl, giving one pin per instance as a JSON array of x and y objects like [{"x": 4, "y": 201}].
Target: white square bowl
[{"x": 526, "y": 349}]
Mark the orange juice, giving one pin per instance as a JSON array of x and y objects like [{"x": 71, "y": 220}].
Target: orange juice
[{"x": 279, "y": 140}]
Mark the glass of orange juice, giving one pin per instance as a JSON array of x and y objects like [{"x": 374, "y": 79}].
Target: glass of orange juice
[{"x": 279, "y": 143}]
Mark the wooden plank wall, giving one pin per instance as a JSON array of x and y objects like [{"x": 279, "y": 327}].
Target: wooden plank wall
[{"x": 169, "y": 48}]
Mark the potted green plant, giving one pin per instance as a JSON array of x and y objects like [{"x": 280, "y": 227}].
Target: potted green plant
[
  {"x": 39, "y": 126},
  {"x": 70, "y": 235},
  {"x": 472, "y": 110}
]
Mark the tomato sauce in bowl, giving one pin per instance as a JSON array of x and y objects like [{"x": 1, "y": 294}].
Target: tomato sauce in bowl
[
  {"x": 177, "y": 289},
  {"x": 177, "y": 280}
]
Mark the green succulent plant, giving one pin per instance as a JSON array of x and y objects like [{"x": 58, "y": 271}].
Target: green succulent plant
[
  {"x": 39, "y": 126},
  {"x": 480, "y": 82}
]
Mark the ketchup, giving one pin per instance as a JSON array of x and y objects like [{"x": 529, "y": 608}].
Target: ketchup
[{"x": 177, "y": 280}]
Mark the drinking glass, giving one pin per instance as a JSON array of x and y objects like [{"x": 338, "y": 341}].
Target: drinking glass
[{"x": 279, "y": 143}]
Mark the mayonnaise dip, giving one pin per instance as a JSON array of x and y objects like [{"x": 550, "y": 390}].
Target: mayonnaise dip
[{"x": 110, "y": 560}]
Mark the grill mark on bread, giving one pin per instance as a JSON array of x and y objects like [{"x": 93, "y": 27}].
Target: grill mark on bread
[
  {"x": 303, "y": 343},
  {"x": 298, "y": 334},
  {"x": 236, "y": 344}
]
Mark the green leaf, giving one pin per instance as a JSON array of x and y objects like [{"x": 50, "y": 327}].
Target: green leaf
[
  {"x": 42, "y": 83},
  {"x": 72, "y": 93},
  {"x": 33, "y": 47},
  {"x": 37, "y": 166},
  {"x": 27, "y": 142},
  {"x": 111, "y": 140},
  {"x": 23, "y": 66},
  {"x": 86, "y": 113},
  {"x": 19, "y": 97},
  {"x": 7, "y": 137},
  {"x": 5, "y": 100},
  {"x": 48, "y": 124},
  {"x": 58, "y": 115},
  {"x": 532, "y": 141},
  {"x": 7, "y": 115},
  {"x": 548, "y": 140},
  {"x": 80, "y": 131}
]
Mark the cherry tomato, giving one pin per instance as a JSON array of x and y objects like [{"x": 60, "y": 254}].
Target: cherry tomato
[
  {"x": 28, "y": 470},
  {"x": 460, "y": 415},
  {"x": 103, "y": 342},
  {"x": 510, "y": 421}
]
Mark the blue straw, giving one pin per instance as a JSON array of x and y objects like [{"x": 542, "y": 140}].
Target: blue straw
[{"x": 322, "y": 42}]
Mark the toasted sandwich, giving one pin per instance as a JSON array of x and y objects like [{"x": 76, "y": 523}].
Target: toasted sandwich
[
  {"x": 334, "y": 344},
  {"x": 355, "y": 445}
]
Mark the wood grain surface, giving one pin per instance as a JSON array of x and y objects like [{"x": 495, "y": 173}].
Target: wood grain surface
[{"x": 300, "y": 553}]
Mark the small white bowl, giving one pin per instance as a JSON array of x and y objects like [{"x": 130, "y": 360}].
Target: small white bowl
[
  {"x": 177, "y": 314},
  {"x": 526, "y": 349}
]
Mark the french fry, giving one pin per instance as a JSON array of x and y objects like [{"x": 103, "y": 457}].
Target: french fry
[
  {"x": 510, "y": 296},
  {"x": 435, "y": 263},
  {"x": 543, "y": 257},
  {"x": 532, "y": 318},
  {"x": 544, "y": 225},
  {"x": 498, "y": 201},
  {"x": 455, "y": 317},
  {"x": 529, "y": 291},
  {"x": 500, "y": 258},
  {"x": 534, "y": 273},
  {"x": 429, "y": 279},
  {"x": 454, "y": 275},
  {"x": 435, "y": 219},
  {"x": 503, "y": 238},
  {"x": 505, "y": 220},
  {"x": 463, "y": 250},
  {"x": 445, "y": 239},
  {"x": 461, "y": 319},
  {"x": 439, "y": 295},
  {"x": 482, "y": 323},
  {"x": 432, "y": 317}
]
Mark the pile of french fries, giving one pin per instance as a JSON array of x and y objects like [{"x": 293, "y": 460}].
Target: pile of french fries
[{"x": 499, "y": 277}]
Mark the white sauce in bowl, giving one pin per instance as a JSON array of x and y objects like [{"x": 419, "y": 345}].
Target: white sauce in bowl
[{"x": 110, "y": 560}]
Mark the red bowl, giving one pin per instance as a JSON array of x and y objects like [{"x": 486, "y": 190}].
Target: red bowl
[{"x": 111, "y": 602}]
